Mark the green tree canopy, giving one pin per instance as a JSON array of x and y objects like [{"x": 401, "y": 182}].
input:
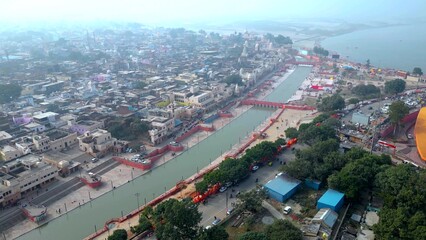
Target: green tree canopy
[
  {"x": 358, "y": 175},
  {"x": 332, "y": 103},
  {"x": 139, "y": 85},
  {"x": 291, "y": 132},
  {"x": 9, "y": 92},
  {"x": 214, "y": 233},
  {"x": 253, "y": 236},
  {"x": 176, "y": 220},
  {"x": 251, "y": 200},
  {"x": 366, "y": 91},
  {"x": 281, "y": 40},
  {"x": 320, "y": 51},
  {"x": 119, "y": 234},
  {"x": 233, "y": 79},
  {"x": 403, "y": 215},
  {"x": 417, "y": 71},
  {"x": 283, "y": 229},
  {"x": 353, "y": 101},
  {"x": 395, "y": 86},
  {"x": 397, "y": 111}
]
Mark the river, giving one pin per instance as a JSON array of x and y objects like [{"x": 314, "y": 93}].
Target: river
[
  {"x": 81, "y": 222},
  {"x": 398, "y": 47}
]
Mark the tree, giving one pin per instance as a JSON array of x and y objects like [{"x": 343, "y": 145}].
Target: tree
[
  {"x": 417, "y": 71},
  {"x": 119, "y": 234},
  {"x": 368, "y": 65},
  {"x": 9, "y": 92},
  {"x": 397, "y": 111},
  {"x": 281, "y": 40},
  {"x": 395, "y": 86},
  {"x": 144, "y": 224},
  {"x": 233, "y": 79},
  {"x": 320, "y": 51},
  {"x": 314, "y": 134},
  {"x": 283, "y": 229},
  {"x": 331, "y": 103},
  {"x": 358, "y": 175},
  {"x": 139, "y": 85},
  {"x": 403, "y": 215},
  {"x": 252, "y": 200},
  {"x": 253, "y": 236},
  {"x": 175, "y": 219},
  {"x": 353, "y": 101},
  {"x": 366, "y": 91},
  {"x": 291, "y": 132},
  {"x": 214, "y": 233}
]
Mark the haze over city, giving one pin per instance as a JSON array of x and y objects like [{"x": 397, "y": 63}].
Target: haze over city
[{"x": 170, "y": 12}]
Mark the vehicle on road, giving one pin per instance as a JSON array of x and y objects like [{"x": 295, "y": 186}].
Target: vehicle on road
[
  {"x": 409, "y": 136},
  {"x": 228, "y": 184},
  {"x": 255, "y": 168},
  {"x": 216, "y": 221},
  {"x": 287, "y": 210},
  {"x": 230, "y": 210},
  {"x": 94, "y": 160},
  {"x": 222, "y": 189}
]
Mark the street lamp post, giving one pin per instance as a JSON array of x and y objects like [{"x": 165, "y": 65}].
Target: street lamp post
[{"x": 137, "y": 197}]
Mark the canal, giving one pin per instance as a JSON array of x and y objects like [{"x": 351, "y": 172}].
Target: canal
[{"x": 81, "y": 222}]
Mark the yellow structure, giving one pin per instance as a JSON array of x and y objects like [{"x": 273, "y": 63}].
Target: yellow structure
[{"x": 420, "y": 133}]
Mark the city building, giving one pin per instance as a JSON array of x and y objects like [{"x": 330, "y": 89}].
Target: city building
[
  {"x": 96, "y": 143},
  {"x": 54, "y": 139},
  {"x": 22, "y": 176}
]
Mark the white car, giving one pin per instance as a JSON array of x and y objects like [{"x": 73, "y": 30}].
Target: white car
[
  {"x": 255, "y": 168},
  {"x": 287, "y": 210},
  {"x": 223, "y": 189}
]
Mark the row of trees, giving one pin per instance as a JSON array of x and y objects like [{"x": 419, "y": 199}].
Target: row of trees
[
  {"x": 233, "y": 79},
  {"x": 371, "y": 91},
  {"x": 232, "y": 170}
]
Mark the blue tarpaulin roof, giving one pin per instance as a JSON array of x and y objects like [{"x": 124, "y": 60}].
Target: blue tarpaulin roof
[
  {"x": 177, "y": 122},
  {"x": 282, "y": 184},
  {"x": 331, "y": 197}
]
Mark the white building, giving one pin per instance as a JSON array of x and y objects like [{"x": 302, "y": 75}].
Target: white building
[{"x": 97, "y": 143}]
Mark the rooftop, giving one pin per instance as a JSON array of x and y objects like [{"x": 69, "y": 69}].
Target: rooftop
[
  {"x": 56, "y": 134},
  {"x": 282, "y": 184},
  {"x": 331, "y": 197},
  {"x": 45, "y": 115}
]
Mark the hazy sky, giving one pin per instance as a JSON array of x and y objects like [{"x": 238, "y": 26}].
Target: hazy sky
[{"x": 210, "y": 11}]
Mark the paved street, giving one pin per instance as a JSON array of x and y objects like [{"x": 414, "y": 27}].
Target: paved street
[{"x": 216, "y": 205}]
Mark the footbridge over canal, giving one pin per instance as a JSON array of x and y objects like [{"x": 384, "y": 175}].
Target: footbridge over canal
[{"x": 260, "y": 103}]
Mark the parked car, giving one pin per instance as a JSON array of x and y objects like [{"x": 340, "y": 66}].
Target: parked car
[
  {"x": 287, "y": 210},
  {"x": 94, "y": 160},
  {"x": 230, "y": 210},
  {"x": 222, "y": 189},
  {"x": 255, "y": 168},
  {"x": 409, "y": 136},
  {"x": 216, "y": 221}
]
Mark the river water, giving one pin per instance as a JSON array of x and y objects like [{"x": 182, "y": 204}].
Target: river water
[
  {"x": 81, "y": 222},
  {"x": 398, "y": 47}
]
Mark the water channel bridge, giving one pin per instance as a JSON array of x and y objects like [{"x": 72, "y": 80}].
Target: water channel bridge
[{"x": 260, "y": 103}]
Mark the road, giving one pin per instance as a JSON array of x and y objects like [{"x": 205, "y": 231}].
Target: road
[{"x": 216, "y": 206}]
